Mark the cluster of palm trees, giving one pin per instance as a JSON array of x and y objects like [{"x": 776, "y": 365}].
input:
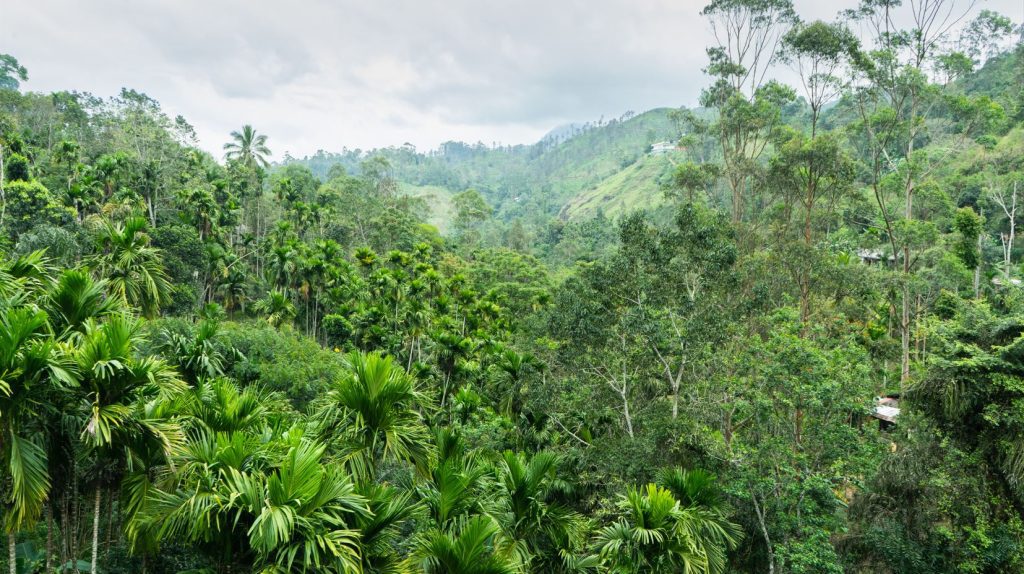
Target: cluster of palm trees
[
  {"x": 76, "y": 401},
  {"x": 103, "y": 440}
]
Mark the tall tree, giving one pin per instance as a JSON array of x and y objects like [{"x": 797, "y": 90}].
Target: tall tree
[
  {"x": 248, "y": 147},
  {"x": 748, "y": 35},
  {"x": 132, "y": 268},
  {"x": 896, "y": 103}
]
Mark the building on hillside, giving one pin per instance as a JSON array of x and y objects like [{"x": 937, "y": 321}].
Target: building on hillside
[
  {"x": 872, "y": 256},
  {"x": 886, "y": 410},
  {"x": 662, "y": 148},
  {"x": 1000, "y": 282}
]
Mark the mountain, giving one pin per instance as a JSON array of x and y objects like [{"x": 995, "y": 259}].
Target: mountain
[{"x": 574, "y": 171}]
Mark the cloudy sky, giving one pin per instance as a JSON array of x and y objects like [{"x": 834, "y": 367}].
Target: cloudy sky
[{"x": 323, "y": 74}]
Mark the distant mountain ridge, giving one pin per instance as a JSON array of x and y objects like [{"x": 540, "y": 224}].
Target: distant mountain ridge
[{"x": 573, "y": 171}]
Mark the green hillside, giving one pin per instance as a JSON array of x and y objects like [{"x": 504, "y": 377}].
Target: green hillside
[
  {"x": 634, "y": 187},
  {"x": 438, "y": 201},
  {"x": 568, "y": 174}
]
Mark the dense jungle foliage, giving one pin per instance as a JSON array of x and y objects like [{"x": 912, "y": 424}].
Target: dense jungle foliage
[{"x": 576, "y": 356}]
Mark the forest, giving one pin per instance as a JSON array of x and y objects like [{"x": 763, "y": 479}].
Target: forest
[{"x": 792, "y": 343}]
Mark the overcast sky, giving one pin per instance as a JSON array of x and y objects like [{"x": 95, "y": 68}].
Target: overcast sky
[{"x": 322, "y": 74}]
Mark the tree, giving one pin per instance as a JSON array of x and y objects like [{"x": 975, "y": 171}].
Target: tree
[
  {"x": 131, "y": 267},
  {"x": 1005, "y": 196},
  {"x": 820, "y": 53},
  {"x": 894, "y": 101},
  {"x": 656, "y": 534},
  {"x": 982, "y": 38},
  {"x": 11, "y": 72},
  {"x": 281, "y": 509},
  {"x": 276, "y": 307},
  {"x": 748, "y": 33},
  {"x": 29, "y": 203},
  {"x": 248, "y": 148},
  {"x": 531, "y": 513},
  {"x": 116, "y": 383},
  {"x": 810, "y": 171},
  {"x": 969, "y": 226},
  {"x": 470, "y": 211},
  {"x": 373, "y": 414},
  {"x": 468, "y": 547},
  {"x": 32, "y": 368}
]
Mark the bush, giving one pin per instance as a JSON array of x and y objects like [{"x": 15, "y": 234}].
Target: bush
[
  {"x": 29, "y": 204},
  {"x": 288, "y": 362},
  {"x": 64, "y": 245},
  {"x": 16, "y": 168},
  {"x": 183, "y": 255}
]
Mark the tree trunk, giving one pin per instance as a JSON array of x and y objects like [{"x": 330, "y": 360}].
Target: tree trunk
[
  {"x": 905, "y": 335},
  {"x": 12, "y": 552},
  {"x": 764, "y": 534},
  {"x": 625, "y": 411},
  {"x": 675, "y": 401},
  {"x": 96, "y": 529},
  {"x": 977, "y": 270},
  {"x": 3, "y": 198},
  {"x": 49, "y": 538}
]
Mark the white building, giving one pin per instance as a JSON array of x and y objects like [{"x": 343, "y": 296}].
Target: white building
[{"x": 662, "y": 147}]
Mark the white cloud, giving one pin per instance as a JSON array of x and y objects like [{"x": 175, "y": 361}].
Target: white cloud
[{"x": 322, "y": 74}]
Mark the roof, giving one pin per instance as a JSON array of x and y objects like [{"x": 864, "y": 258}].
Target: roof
[
  {"x": 886, "y": 409},
  {"x": 998, "y": 281},
  {"x": 873, "y": 255}
]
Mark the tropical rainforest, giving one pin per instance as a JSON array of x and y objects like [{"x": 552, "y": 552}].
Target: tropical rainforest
[{"x": 588, "y": 354}]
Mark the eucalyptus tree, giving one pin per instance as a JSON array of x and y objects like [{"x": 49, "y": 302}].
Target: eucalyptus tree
[
  {"x": 11, "y": 72},
  {"x": 815, "y": 168},
  {"x": 896, "y": 102},
  {"x": 748, "y": 34}
]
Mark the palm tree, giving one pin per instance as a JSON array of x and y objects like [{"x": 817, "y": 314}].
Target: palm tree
[
  {"x": 381, "y": 531},
  {"x": 221, "y": 406},
  {"x": 277, "y": 308},
  {"x": 32, "y": 367},
  {"x": 282, "y": 267},
  {"x": 197, "y": 355},
  {"x": 132, "y": 268},
  {"x": 75, "y": 299},
  {"x": 456, "y": 486},
  {"x": 248, "y": 147},
  {"x": 234, "y": 287},
  {"x": 531, "y": 514},
  {"x": 467, "y": 548},
  {"x": 656, "y": 534},
  {"x": 374, "y": 411},
  {"x": 698, "y": 493},
  {"x": 201, "y": 208},
  {"x": 116, "y": 384},
  {"x": 513, "y": 368},
  {"x": 26, "y": 276},
  {"x": 297, "y": 514}
]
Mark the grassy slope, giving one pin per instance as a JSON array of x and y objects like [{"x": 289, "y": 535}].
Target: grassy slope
[
  {"x": 438, "y": 198},
  {"x": 631, "y": 188}
]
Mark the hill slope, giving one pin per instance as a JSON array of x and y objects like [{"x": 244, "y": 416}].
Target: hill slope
[{"x": 572, "y": 172}]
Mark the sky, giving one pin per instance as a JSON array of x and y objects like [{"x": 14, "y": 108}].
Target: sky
[{"x": 327, "y": 74}]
